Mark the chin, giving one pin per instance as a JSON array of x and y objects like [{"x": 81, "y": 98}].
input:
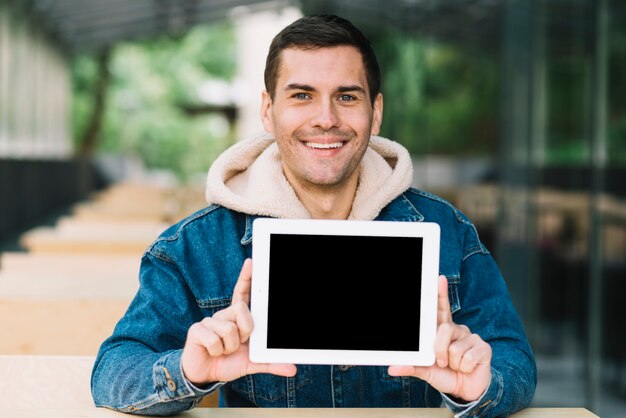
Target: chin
[{"x": 327, "y": 181}]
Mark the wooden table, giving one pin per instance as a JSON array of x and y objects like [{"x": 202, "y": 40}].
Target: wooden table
[
  {"x": 296, "y": 413},
  {"x": 58, "y": 387}
]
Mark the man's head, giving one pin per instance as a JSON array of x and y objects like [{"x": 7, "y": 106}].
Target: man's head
[
  {"x": 320, "y": 107},
  {"x": 321, "y": 31}
]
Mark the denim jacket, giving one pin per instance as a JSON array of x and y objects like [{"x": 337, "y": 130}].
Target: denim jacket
[{"x": 190, "y": 271}]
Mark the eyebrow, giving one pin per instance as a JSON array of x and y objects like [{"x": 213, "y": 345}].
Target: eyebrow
[
  {"x": 344, "y": 89},
  {"x": 296, "y": 86},
  {"x": 340, "y": 89}
]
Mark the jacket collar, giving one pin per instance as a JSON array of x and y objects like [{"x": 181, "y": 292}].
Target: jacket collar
[
  {"x": 398, "y": 210},
  {"x": 247, "y": 233}
]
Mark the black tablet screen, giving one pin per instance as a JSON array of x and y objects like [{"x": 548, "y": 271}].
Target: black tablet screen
[{"x": 344, "y": 292}]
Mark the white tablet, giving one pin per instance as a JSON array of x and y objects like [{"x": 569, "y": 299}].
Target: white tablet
[{"x": 344, "y": 292}]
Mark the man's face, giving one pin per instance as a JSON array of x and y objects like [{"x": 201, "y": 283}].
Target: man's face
[{"x": 321, "y": 115}]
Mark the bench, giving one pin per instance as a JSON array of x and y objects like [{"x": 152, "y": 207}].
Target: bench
[
  {"x": 62, "y": 275},
  {"x": 62, "y": 304},
  {"x": 55, "y": 386},
  {"x": 47, "y": 239},
  {"x": 57, "y": 326},
  {"x": 128, "y": 201}
]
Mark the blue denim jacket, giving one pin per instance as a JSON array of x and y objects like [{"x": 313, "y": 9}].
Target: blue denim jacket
[{"x": 190, "y": 271}]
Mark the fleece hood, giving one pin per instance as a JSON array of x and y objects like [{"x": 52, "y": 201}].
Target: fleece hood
[{"x": 248, "y": 177}]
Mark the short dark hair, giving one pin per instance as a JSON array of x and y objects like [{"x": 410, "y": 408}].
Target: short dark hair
[{"x": 321, "y": 31}]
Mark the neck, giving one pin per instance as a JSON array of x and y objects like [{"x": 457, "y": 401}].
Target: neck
[{"x": 327, "y": 202}]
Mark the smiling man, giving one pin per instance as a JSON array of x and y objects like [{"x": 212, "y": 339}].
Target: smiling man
[{"x": 186, "y": 332}]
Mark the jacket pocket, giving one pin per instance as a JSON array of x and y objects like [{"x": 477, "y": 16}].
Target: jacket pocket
[
  {"x": 209, "y": 307},
  {"x": 269, "y": 390}
]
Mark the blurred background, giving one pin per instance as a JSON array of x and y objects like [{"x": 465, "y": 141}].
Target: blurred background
[{"x": 112, "y": 111}]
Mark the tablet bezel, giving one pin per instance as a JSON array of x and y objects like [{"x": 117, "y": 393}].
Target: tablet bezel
[{"x": 262, "y": 230}]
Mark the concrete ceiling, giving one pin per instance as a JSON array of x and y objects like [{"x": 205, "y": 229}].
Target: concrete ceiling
[{"x": 90, "y": 25}]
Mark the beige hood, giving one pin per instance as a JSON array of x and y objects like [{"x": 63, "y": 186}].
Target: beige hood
[{"x": 248, "y": 178}]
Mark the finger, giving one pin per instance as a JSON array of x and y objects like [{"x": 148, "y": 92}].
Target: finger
[
  {"x": 278, "y": 369},
  {"x": 461, "y": 351},
  {"x": 444, "y": 380},
  {"x": 401, "y": 370},
  {"x": 241, "y": 293},
  {"x": 446, "y": 334},
  {"x": 477, "y": 355},
  {"x": 200, "y": 335},
  {"x": 422, "y": 373},
  {"x": 444, "y": 313},
  {"x": 228, "y": 333},
  {"x": 442, "y": 342},
  {"x": 240, "y": 315}
]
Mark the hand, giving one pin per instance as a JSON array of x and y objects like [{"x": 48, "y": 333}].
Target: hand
[
  {"x": 216, "y": 349},
  {"x": 462, "y": 366}
]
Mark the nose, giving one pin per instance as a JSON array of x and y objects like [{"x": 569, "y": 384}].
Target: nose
[{"x": 326, "y": 116}]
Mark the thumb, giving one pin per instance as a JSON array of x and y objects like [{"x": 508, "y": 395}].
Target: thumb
[
  {"x": 278, "y": 369},
  {"x": 423, "y": 373}
]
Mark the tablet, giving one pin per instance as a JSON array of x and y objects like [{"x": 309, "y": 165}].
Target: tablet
[{"x": 344, "y": 292}]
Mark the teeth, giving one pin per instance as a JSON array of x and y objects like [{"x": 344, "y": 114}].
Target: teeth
[{"x": 324, "y": 146}]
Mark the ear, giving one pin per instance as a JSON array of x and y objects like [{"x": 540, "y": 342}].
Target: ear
[
  {"x": 266, "y": 112},
  {"x": 377, "y": 116}
]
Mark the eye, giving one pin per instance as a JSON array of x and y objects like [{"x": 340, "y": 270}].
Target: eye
[
  {"x": 347, "y": 98},
  {"x": 301, "y": 96}
]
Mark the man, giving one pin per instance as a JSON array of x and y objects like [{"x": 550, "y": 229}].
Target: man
[{"x": 186, "y": 332}]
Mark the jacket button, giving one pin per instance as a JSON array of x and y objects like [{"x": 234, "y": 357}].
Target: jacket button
[
  {"x": 343, "y": 368},
  {"x": 171, "y": 385}
]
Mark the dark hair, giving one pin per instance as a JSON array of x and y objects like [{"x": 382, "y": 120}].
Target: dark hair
[{"x": 321, "y": 31}]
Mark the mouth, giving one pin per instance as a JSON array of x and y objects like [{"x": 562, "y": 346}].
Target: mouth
[{"x": 319, "y": 145}]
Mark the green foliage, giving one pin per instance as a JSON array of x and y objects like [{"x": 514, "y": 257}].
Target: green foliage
[
  {"x": 439, "y": 99},
  {"x": 84, "y": 73},
  {"x": 443, "y": 98},
  {"x": 571, "y": 103},
  {"x": 149, "y": 83}
]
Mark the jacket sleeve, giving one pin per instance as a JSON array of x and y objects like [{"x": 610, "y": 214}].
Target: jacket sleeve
[
  {"x": 138, "y": 368},
  {"x": 486, "y": 308}
]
